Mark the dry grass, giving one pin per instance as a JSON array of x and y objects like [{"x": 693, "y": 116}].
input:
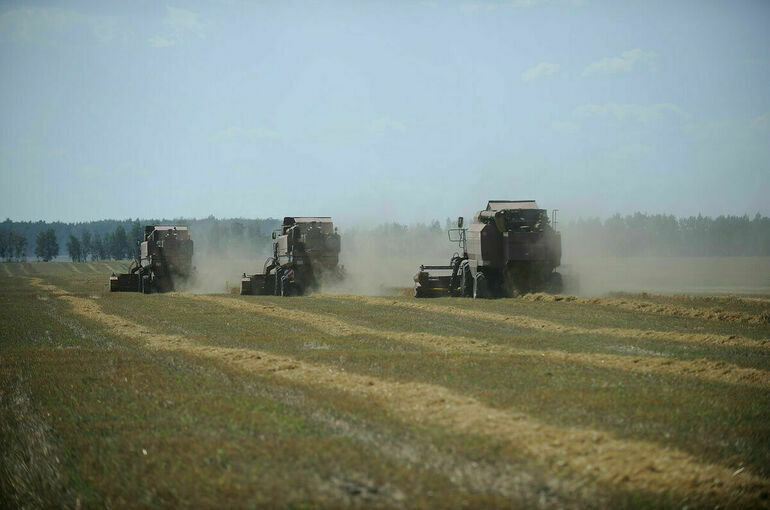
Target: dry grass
[
  {"x": 543, "y": 325},
  {"x": 335, "y": 401},
  {"x": 586, "y": 454},
  {"x": 213, "y": 436},
  {"x": 702, "y": 368},
  {"x": 710, "y": 313},
  {"x": 30, "y": 465}
]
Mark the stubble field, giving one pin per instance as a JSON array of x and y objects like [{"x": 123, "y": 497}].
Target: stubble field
[{"x": 182, "y": 400}]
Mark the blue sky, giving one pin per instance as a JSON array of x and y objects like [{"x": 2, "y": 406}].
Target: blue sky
[{"x": 382, "y": 111}]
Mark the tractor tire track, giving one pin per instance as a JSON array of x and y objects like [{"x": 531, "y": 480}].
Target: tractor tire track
[{"x": 585, "y": 456}]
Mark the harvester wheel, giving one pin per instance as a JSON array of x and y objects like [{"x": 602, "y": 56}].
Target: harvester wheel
[
  {"x": 480, "y": 288},
  {"x": 455, "y": 263},
  {"x": 146, "y": 287},
  {"x": 278, "y": 280},
  {"x": 466, "y": 281},
  {"x": 286, "y": 287}
]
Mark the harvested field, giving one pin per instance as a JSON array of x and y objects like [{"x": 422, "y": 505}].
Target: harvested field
[
  {"x": 662, "y": 308},
  {"x": 331, "y": 401},
  {"x": 533, "y": 323},
  {"x": 714, "y": 370}
]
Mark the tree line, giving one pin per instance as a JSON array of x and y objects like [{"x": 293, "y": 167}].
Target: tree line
[
  {"x": 638, "y": 234},
  {"x": 119, "y": 240},
  {"x": 116, "y": 245},
  {"x": 13, "y": 245},
  {"x": 663, "y": 235}
]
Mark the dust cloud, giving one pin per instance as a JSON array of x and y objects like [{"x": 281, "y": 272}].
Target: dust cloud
[
  {"x": 383, "y": 260},
  {"x": 597, "y": 276},
  {"x": 591, "y": 269},
  {"x": 219, "y": 271},
  {"x": 377, "y": 261}
]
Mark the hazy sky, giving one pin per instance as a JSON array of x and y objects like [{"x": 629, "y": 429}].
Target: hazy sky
[{"x": 381, "y": 111}]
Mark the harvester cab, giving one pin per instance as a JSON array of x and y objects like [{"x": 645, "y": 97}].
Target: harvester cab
[
  {"x": 165, "y": 261},
  {"x": 305, "y": 253},
  {"x": 510, "y": 248}
]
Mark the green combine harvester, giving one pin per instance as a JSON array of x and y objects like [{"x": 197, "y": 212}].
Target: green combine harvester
[
  {"x": 511, "y": 248},
  {"x": 165, "y": 261}
]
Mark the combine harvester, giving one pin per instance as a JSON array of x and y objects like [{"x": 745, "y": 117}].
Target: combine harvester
[
  {"x": 165, "y": 261},
  {"x": 510, "y": 249},
  {"x": 306, "y": 253}
]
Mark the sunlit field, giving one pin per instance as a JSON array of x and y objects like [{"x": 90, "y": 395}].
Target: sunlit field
[{"x": 182, "y": 400}]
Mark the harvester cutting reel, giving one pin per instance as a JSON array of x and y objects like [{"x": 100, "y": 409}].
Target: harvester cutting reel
[
  {"x": 461, "y": 280},
  {"x": 274, "y": 280},
  {"x": 138, "y": 279}
]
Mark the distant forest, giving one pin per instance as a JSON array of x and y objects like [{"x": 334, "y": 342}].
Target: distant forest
[
  {"x": 665, "y": 235},
  {"x": 624, "y": 236},
  {"x": 118, "y": 239}
]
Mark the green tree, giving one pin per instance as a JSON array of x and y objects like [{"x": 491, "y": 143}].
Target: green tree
[
  {"x": 237, "y": 229},
  {"x": 135, "y": 238},
  {"x": 18, "y": 245},
  {"x": 46, "y": 245},
  {"x": 98, "y": 251},
  {"x": 85, "y": 244},
  {"x": 118, "y": 244},
  {"x": 4, "y": 248},
  {"x": 254, "y": 234},
  {"x": 74, "y": 249}
]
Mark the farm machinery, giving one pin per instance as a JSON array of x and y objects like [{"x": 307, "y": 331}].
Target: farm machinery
[
  {"x": 511, "y": 248},
  {"x": 165, "y": 261},
  {"x": 305, "y": 253}
]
